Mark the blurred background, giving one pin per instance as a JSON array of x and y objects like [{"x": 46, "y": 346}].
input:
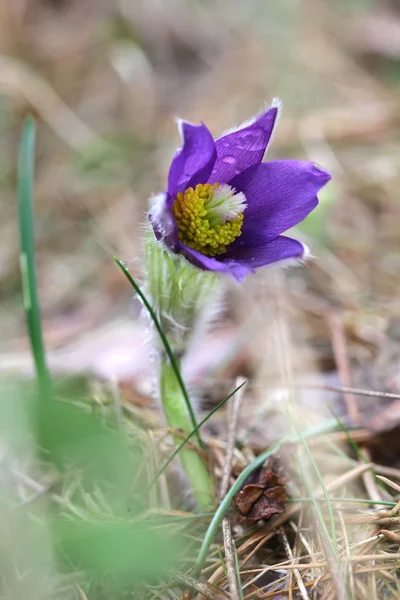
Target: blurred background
[{"x": 105, "y": 80}]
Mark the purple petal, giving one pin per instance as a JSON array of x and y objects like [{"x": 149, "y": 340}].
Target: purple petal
[
  {"x": 270, "y": 252},
  {"x": 243, "y": 148},
  {"x": 194, "y": 162},
  {"x": 280, "y": 194},
  {"x": 163, "y": 221},
  {"x": 207, "y": 263}
]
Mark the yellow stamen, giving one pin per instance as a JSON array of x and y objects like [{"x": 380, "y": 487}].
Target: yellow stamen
[{"x": 195, "y": 229}]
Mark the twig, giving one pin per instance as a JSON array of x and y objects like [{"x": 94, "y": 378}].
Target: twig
[
  {"x": 296, "y": 572},
  {"x": 369, "y": 481},
  {"x": 373, "y": 519},
  {"x": 116, "y": 396},
  {"x": 207, "y": 590},
  {"x": 234, "y": 414},
  {"x": 230, "y": 551},
  {"x": 390, "y": 483},
  {"x": 390, "y": 535},
  {"x": 337, "y": 577},
  {"x": 349, "y": 390},
  {"x": 259, "y": 539},
  {"x": 342, "y": 363}
]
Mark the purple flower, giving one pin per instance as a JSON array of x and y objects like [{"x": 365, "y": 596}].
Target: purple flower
[{"x": 225, "y": 209}]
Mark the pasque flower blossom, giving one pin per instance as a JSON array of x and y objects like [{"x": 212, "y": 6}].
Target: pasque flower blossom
[{"x": 225, "y": 210}]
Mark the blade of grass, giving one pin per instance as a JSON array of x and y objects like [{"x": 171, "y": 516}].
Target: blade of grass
[
  {"x": 241, "y": 597},
  {"x": 211, "y": 532},
  {"x": 192, "y": 433},
  {"x": 328, "y": 543},
  {"x": 166, "y": 345},
  {"x": 27, "y": 254},
  {"x": 353, "y": 444},
  {"x": 348, "y": 435},
  {"x": 344, "y": 500},
  {"x": 332, "y": 540}
]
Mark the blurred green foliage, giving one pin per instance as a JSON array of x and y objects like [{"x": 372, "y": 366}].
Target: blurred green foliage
[
  {"x": 73, "y": 483},
  {"x": 91, "y": 518}
]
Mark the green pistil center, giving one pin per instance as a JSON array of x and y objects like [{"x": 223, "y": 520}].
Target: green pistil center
[{"x": 209, "y": 217}]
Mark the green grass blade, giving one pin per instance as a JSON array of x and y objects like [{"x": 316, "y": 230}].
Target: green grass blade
[
  {"x": 192, "y": 433},
  {"x": 166, "y": 345},
  {"x": 27, "y": 254},
  {"x": 357, "y": 450},
  {"x": 331, "y": 540}
]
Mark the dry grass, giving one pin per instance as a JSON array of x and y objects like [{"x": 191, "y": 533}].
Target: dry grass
[{"x": 105, "y": 80}]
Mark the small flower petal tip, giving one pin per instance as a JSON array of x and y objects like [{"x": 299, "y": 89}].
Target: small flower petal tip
[{"x": 225, "y": 210}]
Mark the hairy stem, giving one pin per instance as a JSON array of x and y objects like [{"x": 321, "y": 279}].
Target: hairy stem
[{"x": 177, "y": 416}]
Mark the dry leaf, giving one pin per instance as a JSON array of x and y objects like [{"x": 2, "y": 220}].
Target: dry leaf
[{"x": 263, "y": 495}]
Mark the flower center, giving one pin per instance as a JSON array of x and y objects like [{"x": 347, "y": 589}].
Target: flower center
[{"x": 209, "y": 217}]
